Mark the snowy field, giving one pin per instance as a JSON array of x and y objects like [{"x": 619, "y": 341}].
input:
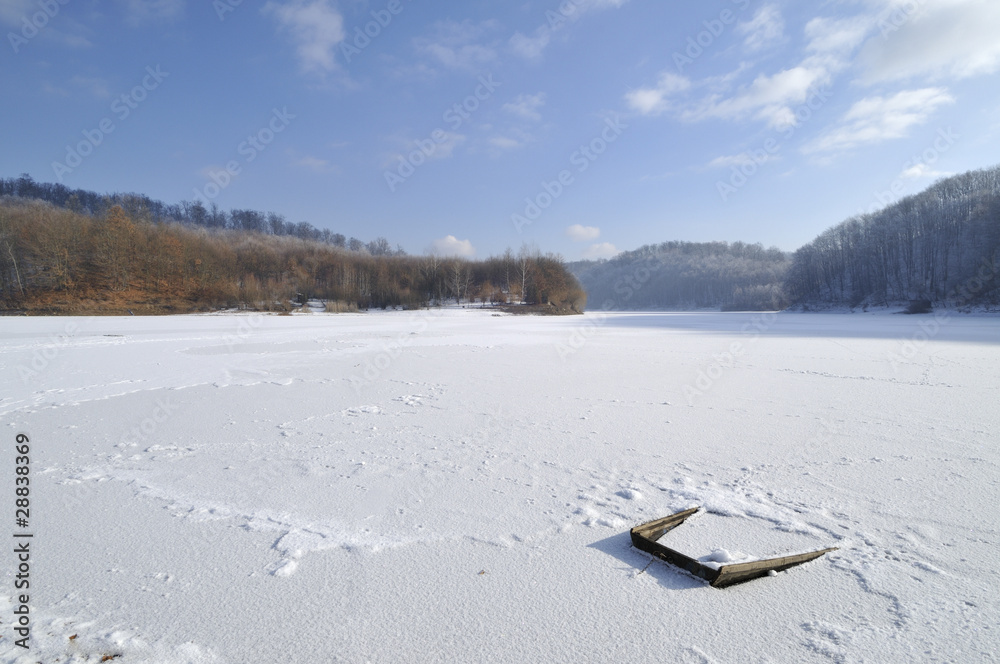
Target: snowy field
[{"x": 454, "y": 486}]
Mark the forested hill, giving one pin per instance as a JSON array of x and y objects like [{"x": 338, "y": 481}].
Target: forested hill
[
  {"x": 189, "y": 213},
  {"x": 55, "y": 260},
  {"x": 941, "y": 246},
  {"x": 687, "y": 275}
]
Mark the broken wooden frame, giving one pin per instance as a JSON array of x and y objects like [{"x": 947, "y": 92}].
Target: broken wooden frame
[{"x": 645, "y": 536}]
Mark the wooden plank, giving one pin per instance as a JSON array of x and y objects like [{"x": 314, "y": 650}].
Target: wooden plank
[
  {"x": 741, "y": 572},
  {"x": 654, "y": 530},
  {"x": 675, "y": 558},
  {"x": 645, "y": 536}
]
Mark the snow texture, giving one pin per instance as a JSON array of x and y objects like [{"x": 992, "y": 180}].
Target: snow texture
[{"x": 451, "y": 486}]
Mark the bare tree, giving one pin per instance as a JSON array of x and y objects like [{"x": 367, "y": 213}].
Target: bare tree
[
  {"x": 523, "y": 267},
  {"x": 116, "y": 248},
  {"x": 460, "y": 277}
]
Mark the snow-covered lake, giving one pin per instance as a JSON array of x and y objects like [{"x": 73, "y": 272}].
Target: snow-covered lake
[{"x": 455, "y": 486}]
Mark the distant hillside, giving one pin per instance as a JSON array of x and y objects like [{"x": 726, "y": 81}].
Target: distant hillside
[
  {"x": 190, "y": 213},
  {"x": 941, "y": 246},
  {"x": 687, "y": 275}
]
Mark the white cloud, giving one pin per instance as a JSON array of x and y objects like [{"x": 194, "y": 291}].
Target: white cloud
[
  {"x": 941, "y": 39},
  {"x": 742, "y": 159},
  {"x": 48, "y": 88},
  {"x": 580, "y": 233},
  {"x": 597, "y": 5},
  {"x": 441, "y": 146},
  {"x": 652, "y": 101},
  {"x": 15, "y": 12},
  {"x": 526, "y": 106},
  {"x": 314, "y": 164},
  {"x": 666, "y": 175},
  {"x": 95, "y": 86},
  {"x": 138, "y": 12},
  {"x": 530, "y": 48},
  {"x": 445, "y": 148},
  {"x": 454, "y": 44},
  {"x": 877, "y": 119},
  {"x": 504, "y": 143},
  {"x": 452, "y": 246},
  {"x": 768, "y": 98},
  {"x": 533, "y": 47},
  {"x": 921, "y": 171},
  {"x": 602, "y": 250},
  {"x": 765, "y": 28},
  {"x": 315, "y": 27},
  {"x": 839, "y": 36}
]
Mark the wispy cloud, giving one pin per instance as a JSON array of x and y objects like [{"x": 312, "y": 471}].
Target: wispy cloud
[
  {"x": 505, "y": 143},
  {"x": 315, "y": 27},
  {"x": 526, "y": 106},
  {"x": 767, "y": 27},
  {"x": 456, "y": 45},
  {"x": 95, "y": 86},
  {"x": 742, "y": 159},
  {"x": 943, "y": 39},
  {"x": 878, "y": 119},
  {"x": 769, "y": 98},
  {"x": 532, "y": 46},
  {"x": 442, "y": 146},
  {"x": 312, "y": 163},
  {"x": 839, "y": 36},
  {"x": 656, "y": 100},
  {"x": 921, "y": 171}
]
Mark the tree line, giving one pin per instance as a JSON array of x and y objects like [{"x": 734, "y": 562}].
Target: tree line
[
  {"x": 193, "y": 213},
  {"x": 57, "y": 260},
  {"x": 939, "y": 246}
]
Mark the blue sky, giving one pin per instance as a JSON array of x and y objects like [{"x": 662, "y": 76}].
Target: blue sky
[{"x": 584, "y": 127}]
